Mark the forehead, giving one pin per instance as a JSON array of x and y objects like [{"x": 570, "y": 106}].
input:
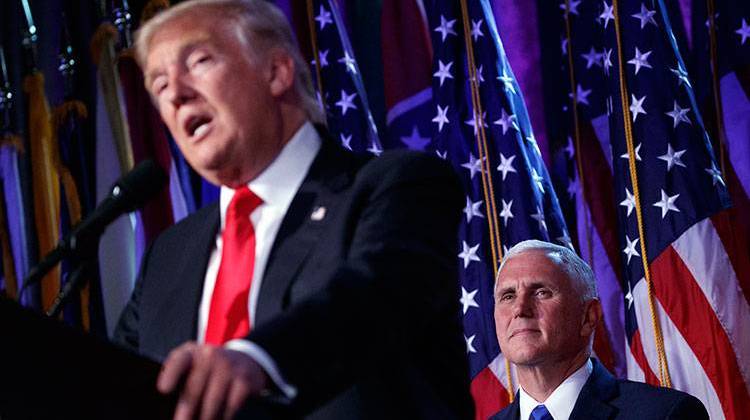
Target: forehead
[{"x": 532, "y": 266}]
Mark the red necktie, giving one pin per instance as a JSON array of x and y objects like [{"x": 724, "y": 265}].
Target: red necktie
[{"x": 228, "y": 316}]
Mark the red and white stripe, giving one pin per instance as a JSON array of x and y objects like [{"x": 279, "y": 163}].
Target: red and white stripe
[
  {"x": 704, "y": 318},
  {"x": 490, "y": 388}
]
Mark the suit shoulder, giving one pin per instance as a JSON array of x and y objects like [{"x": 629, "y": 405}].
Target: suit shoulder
[
  {"x": 398, "y": 157},
  {"x": 674, "y": 403},
  {"x": 509, "y": 412},
  {"x": 639, "y": 388},
  {"x": 404, "y": 165},
  {"x": 186, "y": 228}
]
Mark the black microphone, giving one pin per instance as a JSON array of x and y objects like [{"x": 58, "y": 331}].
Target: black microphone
[{"x": 129, "y": 193}]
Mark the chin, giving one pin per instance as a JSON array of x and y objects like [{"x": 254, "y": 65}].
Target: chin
[
  {"x": 524, "y": 357},
  {"x": 211, "y": 166},
  {"x": 528, "y": 363}
]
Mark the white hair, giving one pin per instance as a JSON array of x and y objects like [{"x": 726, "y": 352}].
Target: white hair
[
  {"x": 577, "y": 270},
  {"x": 258, "y": 24}
]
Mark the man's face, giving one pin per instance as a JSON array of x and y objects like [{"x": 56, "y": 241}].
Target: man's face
[
  {"x": 539, "y": 316},
  {"x": 214, "y": 98}
]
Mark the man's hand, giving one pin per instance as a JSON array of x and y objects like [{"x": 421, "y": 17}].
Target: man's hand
[{"x": 216, "y": 380}]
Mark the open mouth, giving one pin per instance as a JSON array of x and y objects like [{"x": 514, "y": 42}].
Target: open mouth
[{"x": 197, "y": 126}]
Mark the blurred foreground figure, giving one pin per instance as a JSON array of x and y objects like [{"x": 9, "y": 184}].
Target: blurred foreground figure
[{"x": 322, "y": 281}]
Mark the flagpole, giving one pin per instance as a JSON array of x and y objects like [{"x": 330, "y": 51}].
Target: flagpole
[
  {"x": 487, "y": 187},
  {"x": 664, "y": 377}
]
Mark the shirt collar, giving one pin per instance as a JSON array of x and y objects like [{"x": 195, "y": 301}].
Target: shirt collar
[
  {"x": 562, "y": 400},
  {"x": 279, "y": 182}
]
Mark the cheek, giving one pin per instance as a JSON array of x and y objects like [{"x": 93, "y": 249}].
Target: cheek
[
  {"x": 502, "y": 319},
  {"x": 565, "y": 324},
  {"x": 167, "y": 114}
]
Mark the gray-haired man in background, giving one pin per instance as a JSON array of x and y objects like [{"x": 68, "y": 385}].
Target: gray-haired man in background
[{"x": 546, "y": 312}]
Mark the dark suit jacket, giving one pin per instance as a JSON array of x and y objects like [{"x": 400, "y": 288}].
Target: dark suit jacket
[
  {"x": 605, "y": 398},
  {"x": 359, "y": 310}
]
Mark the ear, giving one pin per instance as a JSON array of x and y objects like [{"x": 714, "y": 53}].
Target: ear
[
  {"x": 592, "y": 316},
  {"x": 281, "y": 72}
]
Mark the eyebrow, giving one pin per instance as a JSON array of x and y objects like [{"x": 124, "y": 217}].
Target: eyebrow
[
  {"x": 506, "y": 289},
  {"x": 533, "y": 286},
  {"x": 184, "y": 50}
]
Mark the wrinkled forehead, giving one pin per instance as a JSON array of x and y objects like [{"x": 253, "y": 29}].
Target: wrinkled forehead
[{"x": 533, "y": 265}]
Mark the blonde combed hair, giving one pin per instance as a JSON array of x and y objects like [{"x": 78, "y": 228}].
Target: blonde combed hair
[{"x": 258, "y": 24}]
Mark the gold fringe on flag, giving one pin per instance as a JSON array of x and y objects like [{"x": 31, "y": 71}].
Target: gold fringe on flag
[
  {"x": 105, "y": 33},
  {"x": 126, "y": 53},
  {"x": 152, "y": 8},
  {"x": 13, "y": 140},
  {"x": 63, "y": 111},
  {"x": 45, "y": 179}
]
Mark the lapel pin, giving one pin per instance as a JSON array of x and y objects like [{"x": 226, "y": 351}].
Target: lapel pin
[{"x": 318, "y": 214}]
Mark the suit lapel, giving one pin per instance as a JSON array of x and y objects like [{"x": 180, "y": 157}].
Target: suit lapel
[
  {"x": 511, "y": 412},
  {"x": 183, "y": 293},
  {"x": 593, "y": 401},
  {"x": 310, "y": 212}
]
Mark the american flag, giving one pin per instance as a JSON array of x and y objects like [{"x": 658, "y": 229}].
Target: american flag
[
  {"x": 581, "y": 136},
  {"x": 484, "y": 131},
  {"x": 688, "y": 328},
  {"x": 721, "y": 62},
  {"x": 338, "y": 80}
]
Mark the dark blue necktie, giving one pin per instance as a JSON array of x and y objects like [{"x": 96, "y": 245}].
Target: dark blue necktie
[{"x": 540, "y": 413}]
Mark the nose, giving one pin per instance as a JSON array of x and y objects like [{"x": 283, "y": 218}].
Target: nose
[
  {"x": 179, "y": 89},
  {"x": 522, "y": 306}
]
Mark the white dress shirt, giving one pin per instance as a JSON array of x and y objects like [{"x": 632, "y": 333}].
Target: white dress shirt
[
  {"x": 276, "y": 186},
  {"x": 562, "y": 400}
]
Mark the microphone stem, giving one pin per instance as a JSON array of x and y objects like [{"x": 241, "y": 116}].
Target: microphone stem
[{"x": 76, "y": 280}]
